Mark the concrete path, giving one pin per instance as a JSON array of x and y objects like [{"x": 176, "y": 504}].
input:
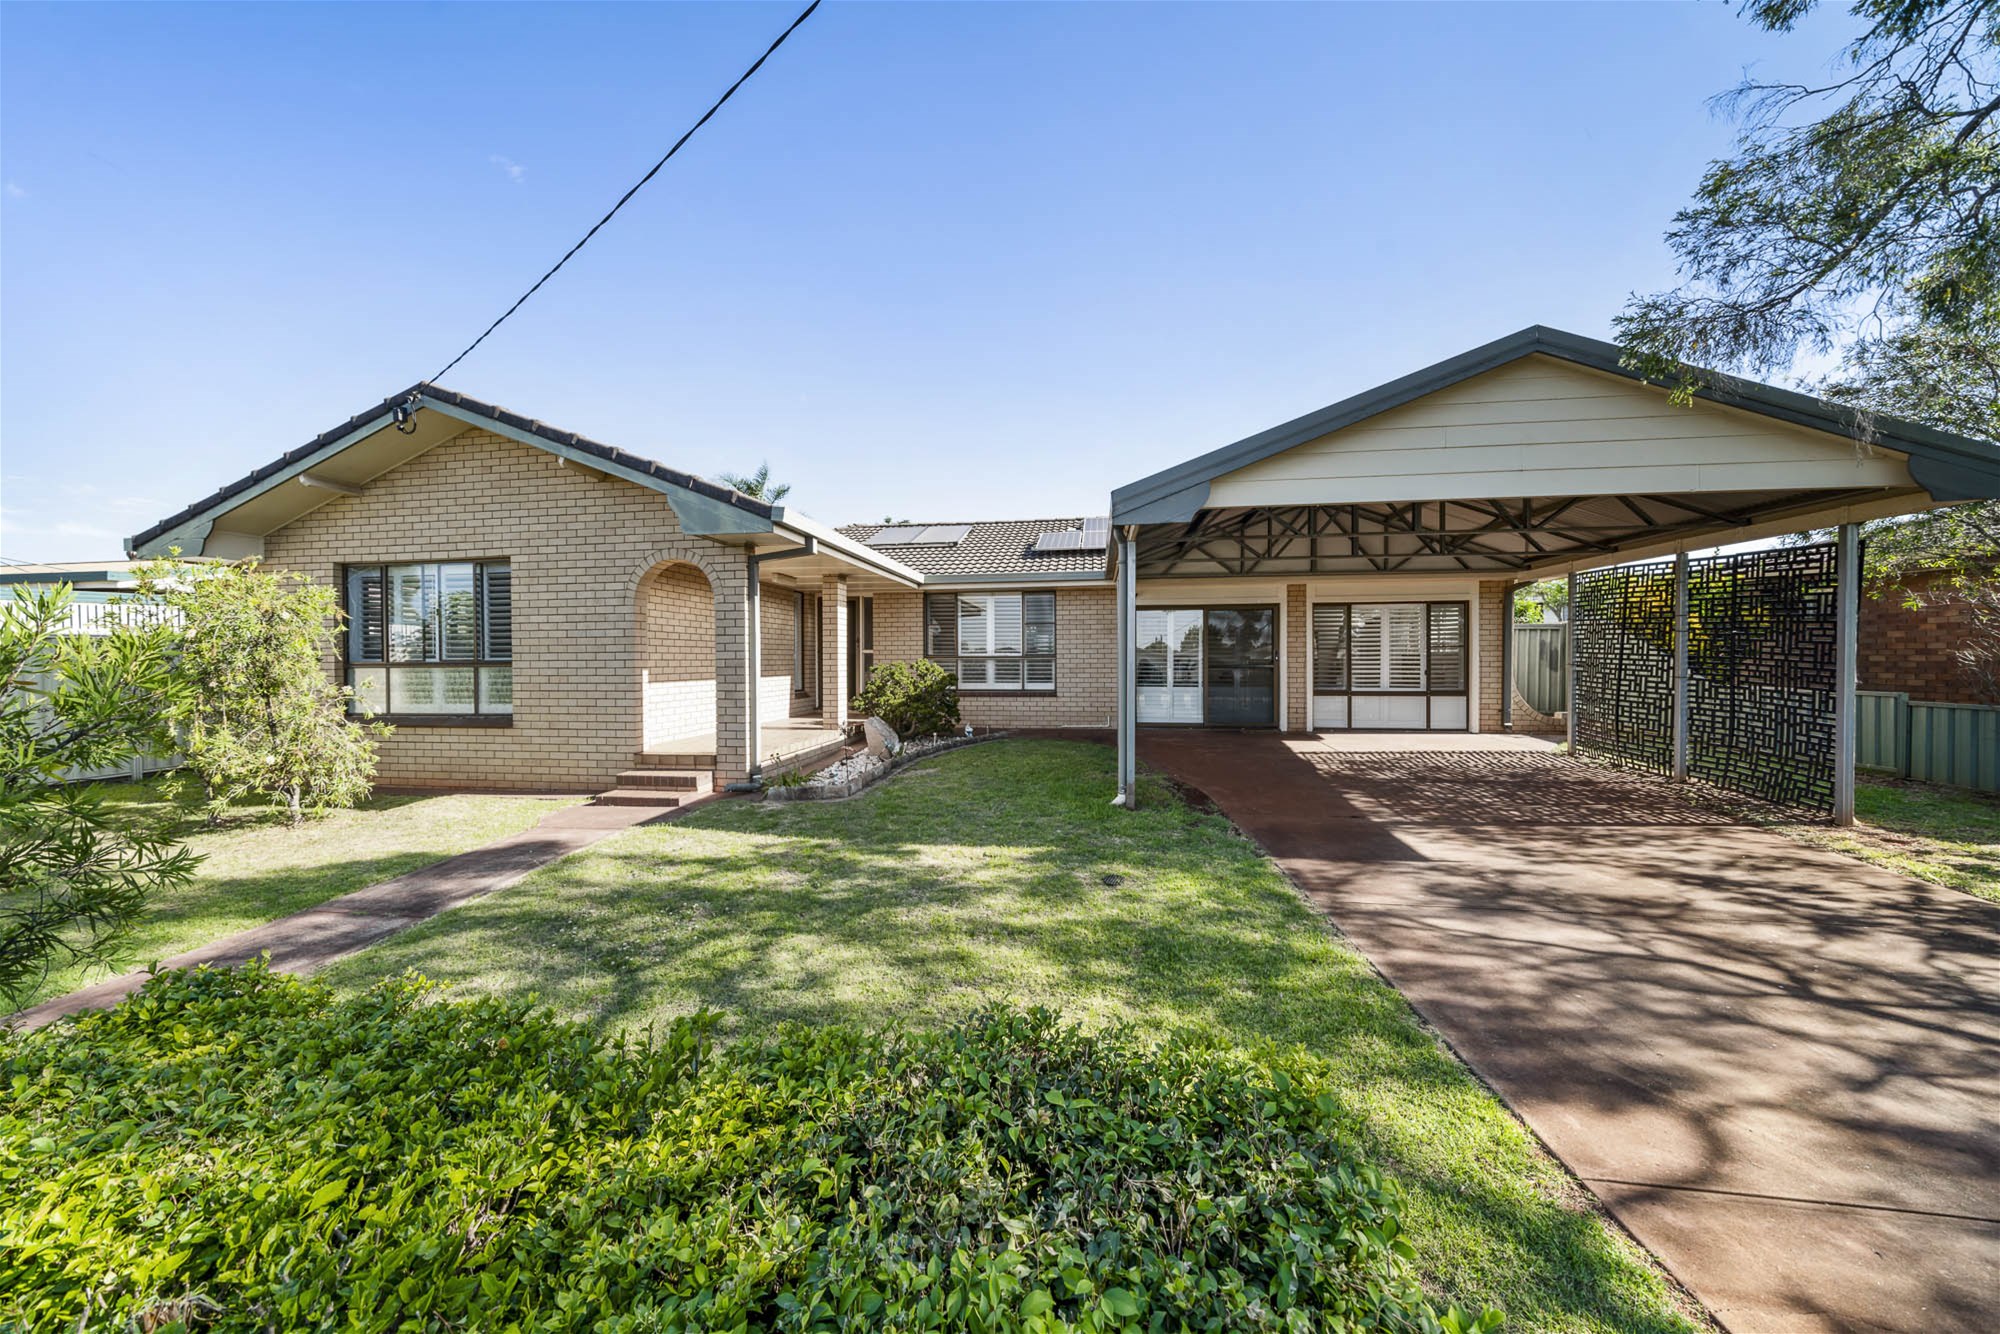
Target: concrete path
[
  {"x": 314, "y": 937},
  {"x": 1778, "y": 1067}
]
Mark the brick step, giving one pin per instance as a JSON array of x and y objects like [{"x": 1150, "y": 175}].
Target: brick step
[
  {"x": 674, "y": 780},
  {"x": 662, "y": 759},
  {"x": 640, "y": 796}
]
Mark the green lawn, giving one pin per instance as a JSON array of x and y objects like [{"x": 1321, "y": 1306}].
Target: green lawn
[
  {"x": 1000, "y": 872},
  {"x": 255, "y": 868},
  {"x": 1946, "y": 836}
]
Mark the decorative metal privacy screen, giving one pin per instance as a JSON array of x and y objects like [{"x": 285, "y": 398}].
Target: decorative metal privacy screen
[
  {"x": 1624, "y": 643},
  {"x": 1761, "y": 666},
  {"x": 1761, "y": 658}
]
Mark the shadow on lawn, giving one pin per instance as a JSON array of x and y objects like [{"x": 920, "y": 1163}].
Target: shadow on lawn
[{"x": 1002, "y": 875}]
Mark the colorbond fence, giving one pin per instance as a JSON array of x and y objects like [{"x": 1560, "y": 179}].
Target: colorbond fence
[
  {"x": 1541, "y": 669},
  {"x": 1957, "y": 744}
]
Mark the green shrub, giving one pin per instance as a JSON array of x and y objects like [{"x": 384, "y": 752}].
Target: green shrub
[
  {"x": 238, "y": 1150},
  {"x": 916, "y": 698}
]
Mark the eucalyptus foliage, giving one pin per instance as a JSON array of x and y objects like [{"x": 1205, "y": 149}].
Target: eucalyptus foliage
[
  {"x": 242, "y": 1151},
  {"x": 73, "y": 869},
  {"x": 1858, "y": 214},
  {"x": 261, "y": 716}
]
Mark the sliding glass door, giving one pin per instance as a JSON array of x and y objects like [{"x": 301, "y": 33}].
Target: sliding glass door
[{"x": 1213, "y": 665}]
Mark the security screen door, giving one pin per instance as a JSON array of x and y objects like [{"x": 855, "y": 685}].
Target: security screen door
[
  {"x": 1240, "y": 645},
  {"x": 1390, "y": 665}
]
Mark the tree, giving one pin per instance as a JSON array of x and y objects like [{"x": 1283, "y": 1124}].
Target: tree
[
  {"x": 758, "y": 485},
  {"x": 1873, "y": 230},
  {"x": 261, "y": 716},
  {"x": 74, "y": 869},
  {"x": 1543, "y": 600}
]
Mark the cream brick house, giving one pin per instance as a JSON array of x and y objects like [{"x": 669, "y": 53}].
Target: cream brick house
[{"x": 533, "y": 609}]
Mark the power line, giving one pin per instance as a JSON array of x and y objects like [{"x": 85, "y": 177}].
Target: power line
[{"x": 626, "y": 197}]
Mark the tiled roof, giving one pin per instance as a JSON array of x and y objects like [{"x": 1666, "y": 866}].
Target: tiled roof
[
  {"x": 465, "y": 403},
  {"x": 992, "y": 550}
]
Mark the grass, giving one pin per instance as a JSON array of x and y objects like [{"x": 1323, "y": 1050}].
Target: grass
[
  {"x": 1000, "y": 872},
  {"x": 255, "y": 869},
  {"x": 1946, "y": 836}
]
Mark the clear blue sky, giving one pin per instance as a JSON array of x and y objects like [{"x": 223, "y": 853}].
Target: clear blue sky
[{"x": 950, "y": 261}]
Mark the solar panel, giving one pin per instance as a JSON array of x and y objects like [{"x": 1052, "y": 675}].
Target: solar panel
[
  {"x": 1095, "y": 535},
  {"x": 921, "y": 535}
]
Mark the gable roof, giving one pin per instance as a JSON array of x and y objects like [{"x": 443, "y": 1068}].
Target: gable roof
[
  {"x": 990, "y": 551},
  {"x": 1950, "y": 467},
  {"x": 704, "y": 506}
]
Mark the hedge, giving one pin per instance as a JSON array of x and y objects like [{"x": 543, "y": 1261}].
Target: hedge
[{"x": 235, "y": 1149}]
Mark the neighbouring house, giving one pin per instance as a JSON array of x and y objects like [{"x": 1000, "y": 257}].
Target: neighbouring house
[
  {"x": 1916, "y": 649},
  {"x": 535, "y": 609}
]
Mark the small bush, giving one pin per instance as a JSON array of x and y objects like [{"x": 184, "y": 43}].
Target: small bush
[
  {"x": 237, "y": 1150},
  {"x": 916, "y": 698}
]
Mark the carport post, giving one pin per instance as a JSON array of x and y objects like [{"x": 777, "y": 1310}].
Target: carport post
[
  {"x": 1507, "y": 655},
  {"x": 1128, "y": 703},
  {"x": 1847, "y": 616},
  {"x": 1569, "y": 663},
  {"x": 1681, "y": 682}
]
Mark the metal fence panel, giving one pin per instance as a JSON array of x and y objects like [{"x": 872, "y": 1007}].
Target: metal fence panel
[
  {"x": 1881, "y": 730},
  {"x": 1957, "y": 744},
  {"x": 1541, "y": 666}
]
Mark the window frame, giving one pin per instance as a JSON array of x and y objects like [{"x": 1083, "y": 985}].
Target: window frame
[
  {"x": 952, "y": 659},
  {"x": 482, "y": 660},
  {"x": 1462, "y": 608}
]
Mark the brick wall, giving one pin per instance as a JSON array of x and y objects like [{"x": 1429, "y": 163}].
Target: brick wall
[
  {"x": 1086, "y": 661},
  {"x": 1298, "y": 660},
  {"x": 676, "y": 654},
  {"x": 580, "y": 544},
  {"x": 1912, "y": 649},
  {"x": 1495, "y": 619}
]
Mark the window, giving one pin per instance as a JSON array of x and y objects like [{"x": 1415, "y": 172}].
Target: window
[
  {"x": 431, "y": 639},
  {"x": 993, "y": 641}
]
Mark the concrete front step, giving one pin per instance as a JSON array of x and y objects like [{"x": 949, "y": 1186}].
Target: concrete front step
[
  {"x": 673, "y": 780},
  {"x": 642, "y": 796}
]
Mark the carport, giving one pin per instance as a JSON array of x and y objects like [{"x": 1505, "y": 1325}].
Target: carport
[{"x": 1352, "y": 569}]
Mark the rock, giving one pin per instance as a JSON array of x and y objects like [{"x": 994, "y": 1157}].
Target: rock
[{"x": 882, "y": 738}]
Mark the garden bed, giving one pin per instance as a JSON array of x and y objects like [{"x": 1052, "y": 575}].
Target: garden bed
[{"x": 845, "y": 778}]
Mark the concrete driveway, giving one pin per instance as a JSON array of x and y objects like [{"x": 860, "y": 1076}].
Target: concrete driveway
[{"x": 1778, "y": 1067}]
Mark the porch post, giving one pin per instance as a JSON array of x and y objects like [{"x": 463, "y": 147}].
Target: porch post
[
  {"x": 834, "y": 686},
  {"x": 1681, "y": 682},
  {"x": 1128, "y": 703},
  {"x": 753, "y": 675},
  {"x": 1569, "y": 663},
  {"x": 1847, "y": 613}
]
